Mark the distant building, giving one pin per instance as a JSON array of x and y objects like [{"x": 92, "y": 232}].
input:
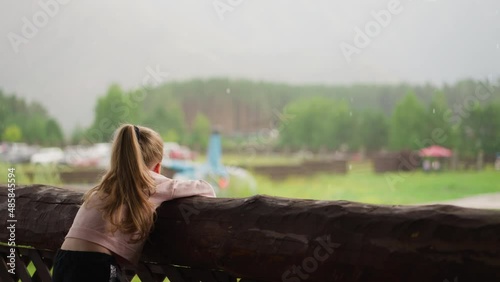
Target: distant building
[{"x": 230, "y": 114}]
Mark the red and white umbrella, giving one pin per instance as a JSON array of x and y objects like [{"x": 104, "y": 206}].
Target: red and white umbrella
[{"x": 436, "y": 152}]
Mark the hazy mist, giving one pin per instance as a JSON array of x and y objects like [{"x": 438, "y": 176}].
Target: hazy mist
[{"x": 87, "y": 45}]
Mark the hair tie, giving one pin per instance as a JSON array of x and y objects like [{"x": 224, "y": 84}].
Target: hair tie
[{"x": 137, "y": 133}]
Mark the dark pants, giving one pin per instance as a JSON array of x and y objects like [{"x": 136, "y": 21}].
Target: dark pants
[{"x": 75, "y": 266}]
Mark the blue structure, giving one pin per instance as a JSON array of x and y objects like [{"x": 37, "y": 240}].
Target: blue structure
[{"x": 211, "y": 171}]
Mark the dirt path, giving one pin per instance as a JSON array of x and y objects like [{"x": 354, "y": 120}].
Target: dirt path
[{"x": 485, "y": 201}]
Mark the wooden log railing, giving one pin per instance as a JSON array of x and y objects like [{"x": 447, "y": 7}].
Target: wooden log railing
[{"x": 274, "y": 239}]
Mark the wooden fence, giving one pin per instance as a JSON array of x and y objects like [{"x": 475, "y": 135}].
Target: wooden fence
[{"x": 272, "y": 239}]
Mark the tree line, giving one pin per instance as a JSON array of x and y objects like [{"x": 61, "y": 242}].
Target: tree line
[
  {"x": 27, "y": 122},
  {"x": 468, "y": 127},
  {"x": 463, "y": 116}
]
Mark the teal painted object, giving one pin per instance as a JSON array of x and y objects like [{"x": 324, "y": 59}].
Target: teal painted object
[{"x": 213, "y": 171}]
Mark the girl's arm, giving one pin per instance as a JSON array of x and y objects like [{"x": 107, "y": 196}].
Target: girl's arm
[
  {"x": 187, "y": 188},
  {"x": 168, "y": 189}
]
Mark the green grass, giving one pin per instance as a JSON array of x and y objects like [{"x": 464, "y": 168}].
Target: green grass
[
  {"x": 30, "y": 174},
  {"x": 252, "y": 160},
  {"x": 361, "y": 184}
]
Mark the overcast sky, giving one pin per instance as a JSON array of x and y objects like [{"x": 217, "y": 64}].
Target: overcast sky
[{"x": 78, "y": 50}]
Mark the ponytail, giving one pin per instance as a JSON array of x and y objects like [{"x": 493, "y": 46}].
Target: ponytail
[{"x": 125, "y": 189}]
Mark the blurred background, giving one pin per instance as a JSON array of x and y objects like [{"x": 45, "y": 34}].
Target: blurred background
[{"x": 386, "y": 102}]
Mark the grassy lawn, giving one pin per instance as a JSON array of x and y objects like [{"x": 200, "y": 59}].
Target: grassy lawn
[
  {"x": 362, "y": 185},
  {"x": 252, "y": 160}
]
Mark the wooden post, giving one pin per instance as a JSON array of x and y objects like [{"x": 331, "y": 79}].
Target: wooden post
[{"x": 277, "y": 239}]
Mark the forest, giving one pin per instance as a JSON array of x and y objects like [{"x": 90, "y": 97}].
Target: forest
[
  {"x": 28, "y": 122},
  {"x": 464, "y": 116}
]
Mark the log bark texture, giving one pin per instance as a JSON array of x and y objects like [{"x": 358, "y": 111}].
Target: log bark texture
[{"x": 277, "y": 239}]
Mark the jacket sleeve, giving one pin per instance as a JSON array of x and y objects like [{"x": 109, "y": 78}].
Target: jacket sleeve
[
  {"x": 172, "y": 189},
  {"x": 187, "y": 188}
]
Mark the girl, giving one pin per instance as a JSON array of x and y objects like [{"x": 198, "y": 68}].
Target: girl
[{"x": 117, "y": 215}]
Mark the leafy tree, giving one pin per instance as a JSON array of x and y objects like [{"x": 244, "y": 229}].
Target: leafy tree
[
  {"x": 134, "y": 101},
  {"x": 489, "y": 129},
  {"x": 111, "y": 110},
  {"x": 167, "y": 120},
  {"x": 308, "y": 127},
  {"x": 408, "y": 123},
  {"x": 54, "y": 135},
  {"x": 200, "y": 133},
  {"x": 171, "y": 136},
  {"x": 438, "y": 130},
  {"x": 35, "y": 131},
  {"x": 78, "y": 135},
  {"x": 12, "y": 133},
  {"x": 317, "y": 122},
  {"x": 469, "y": 133},
  {"x": 480, "y": 130},
  {"x": 30, "y": 119},
  {"x": 361, "y": 115},
  {"x": 373, "y": 131}
]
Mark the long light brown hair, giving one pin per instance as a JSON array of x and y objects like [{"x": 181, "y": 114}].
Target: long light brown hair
[{"x": 127, "y": 185}]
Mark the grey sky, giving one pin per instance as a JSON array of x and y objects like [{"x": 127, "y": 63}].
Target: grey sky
[{"x": 87, "y": 45}]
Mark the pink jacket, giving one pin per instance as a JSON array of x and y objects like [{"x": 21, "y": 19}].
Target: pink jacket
[{"x": 89, "y": 224}]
